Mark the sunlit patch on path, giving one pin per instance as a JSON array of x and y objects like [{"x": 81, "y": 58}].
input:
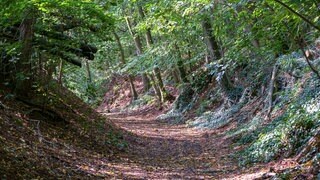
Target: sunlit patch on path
[{"x": 162, "y": 151}]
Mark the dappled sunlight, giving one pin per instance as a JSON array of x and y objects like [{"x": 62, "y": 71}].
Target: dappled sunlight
[
  {"x": 312, "y": 106},
  {"x": 93, "y": 89},
  {"x": 151, "y": 128},
  {"x": 265, "y": 171},
  {"x": 126, "y": 168},
  {"x": 247, "y": 176},
  {"x": 160, "y": 150}
]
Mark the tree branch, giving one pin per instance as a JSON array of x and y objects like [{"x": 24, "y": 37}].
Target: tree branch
[
  {"x": 300, "y": 15},
  {"x": 308, "y": 61}
]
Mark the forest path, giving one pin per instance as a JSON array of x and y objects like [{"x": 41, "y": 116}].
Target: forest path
[{"x": 162, "y": 151}]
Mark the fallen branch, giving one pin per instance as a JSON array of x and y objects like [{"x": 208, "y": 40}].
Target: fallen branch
[
  {"x": 41, "y": 139},
  {"x": 38, "y": 128}
]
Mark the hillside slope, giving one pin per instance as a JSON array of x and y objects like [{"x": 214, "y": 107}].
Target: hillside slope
[
  {"x": 285, "y": 135},
  {"x": 55, "y": 135}
]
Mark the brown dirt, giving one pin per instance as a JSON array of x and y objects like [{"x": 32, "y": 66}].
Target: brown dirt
[
  {"x": 32, "y": 147},
  {"x": 157, "y": 150},
  {"x": 161, "y": 151}
]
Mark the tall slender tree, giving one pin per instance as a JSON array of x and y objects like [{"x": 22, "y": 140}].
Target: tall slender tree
[
  {"x": 123, "y": 62},
  {"x": 165, "y": 95},
  {"x": 23, "y": 75},
  {"x": 139, "y": 51}
]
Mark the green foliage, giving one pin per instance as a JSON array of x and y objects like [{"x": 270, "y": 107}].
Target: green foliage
[
  {"x": 203, "y": 107},
  {"x": 142, "y": 101},
  {"x": 288, "y": 133},
  {"x": 200, "y": 80},
  {"x": 76, "y": 80},
  {"x": 61, "y": 30}
]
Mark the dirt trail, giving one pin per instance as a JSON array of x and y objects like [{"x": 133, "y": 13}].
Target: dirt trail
[{"x": 162, "y": 151}]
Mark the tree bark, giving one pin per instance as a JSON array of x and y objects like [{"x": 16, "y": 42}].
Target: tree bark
[
  {"x": 148, "y": 33},
  {"x": 165, "y": 96},
  {"x": 271, "y": 89},
  {"x": 132, "y": 88},
  {"x": 182, "y": 71},
  {"x": 156, "y": 89},
  {"x": 215, "y": 54},
  {"x": 175, "y": 75},
  {"x": 139, "y": 50},
  {"x": 212, "y": 44},
  {"x": 156, "y": 71},
  {"x": 146, "y": 82},
  {"x": 23, "y": 76},
  {"x": 47, "y": 69},
  {"x": 313, "y": 69},
  {"x": 255, "y": 42},
  {"x": 123, "y": 61},
  {"x": 60, "y": 72},
  {"x": 88, "y": 72}
]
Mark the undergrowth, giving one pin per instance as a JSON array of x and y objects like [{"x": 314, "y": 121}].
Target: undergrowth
[
  {"x": 142, "y": 101},
  {"x": 286, "y": 135}
]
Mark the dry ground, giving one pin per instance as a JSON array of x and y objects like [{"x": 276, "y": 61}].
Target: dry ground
[{"x": 162, "y": 151}]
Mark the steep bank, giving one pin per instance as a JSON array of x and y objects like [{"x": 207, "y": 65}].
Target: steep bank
[{"x": 53, "y": 136}]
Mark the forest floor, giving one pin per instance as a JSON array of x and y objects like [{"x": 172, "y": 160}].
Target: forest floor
[
  {"x": 162, "y": 151},
  {"x": 34, "y": 146}
]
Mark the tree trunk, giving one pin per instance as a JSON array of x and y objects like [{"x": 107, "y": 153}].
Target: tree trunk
[
  {"x": 212, "y": 44},
  {"x": 23, "y": 76},
  {"x": 182, "y": 72},
  {"x": 148, "y": 33},
  {"x": 313, "y": 69},
  {"x": 255, "y": 42},
  {"x": 132, "y": 88},
  {"x": 175, "y": 75},
  {"x": 215, "y": 54},
  {"x": 139, "y": 51},
  {"x": 60, "y": 72},
  {"x": 156, "y": 89},
  {"x": 165, "y": 96},
  {"x": 123, "y": 61},
  {"x": 156, "y": 71},
  {"x": 146, "y": 82},
  {"x": 88, "y": 72},
  {"x": 271, "y": 90},
  {"x": 248, "y": 29},
  {"x": 46, "y": 71}
]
